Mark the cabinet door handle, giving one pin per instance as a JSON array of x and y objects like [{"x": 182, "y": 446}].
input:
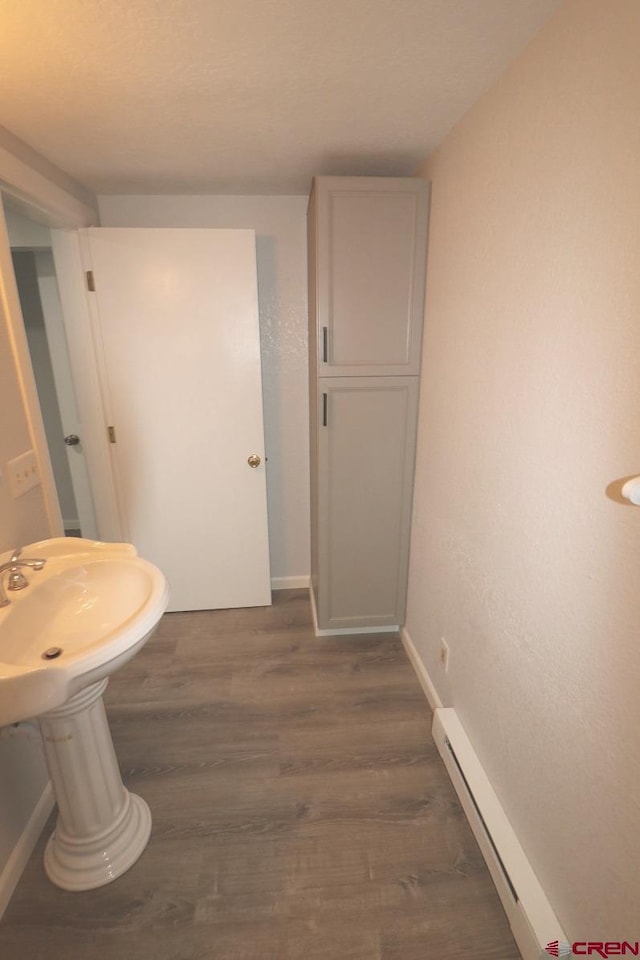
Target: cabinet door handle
[
  {"x": 325, "y": 344},
  {"x": 324, "y": 409}
]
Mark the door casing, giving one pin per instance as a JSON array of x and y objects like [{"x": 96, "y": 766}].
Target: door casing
[
  {"x": 40, "y": 199},
  {"x": 70, "y": 260}
]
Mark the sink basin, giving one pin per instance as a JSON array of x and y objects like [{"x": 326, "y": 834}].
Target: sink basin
[
  {"x": 97, "y": 602},
  {"x": 83, "y": 615}
]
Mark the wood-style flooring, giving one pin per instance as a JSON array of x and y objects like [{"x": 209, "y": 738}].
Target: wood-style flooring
[{"x": 300, "y": 809}]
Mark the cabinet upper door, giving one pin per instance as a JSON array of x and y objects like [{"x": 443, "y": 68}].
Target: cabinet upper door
[{"x": 369, "y": 250}]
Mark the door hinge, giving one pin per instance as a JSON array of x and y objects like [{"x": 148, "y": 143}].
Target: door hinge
[
  {"x": 111, "y": 433},
  {"x": 91, "y": 282}
]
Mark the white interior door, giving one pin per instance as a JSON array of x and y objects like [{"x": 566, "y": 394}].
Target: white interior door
[
  {"x": 71, "y": 419},
  {"x": 177, "y": 314}
]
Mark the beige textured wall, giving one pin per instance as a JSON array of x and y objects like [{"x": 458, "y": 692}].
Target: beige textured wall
[{"x": 530, "y": 407}]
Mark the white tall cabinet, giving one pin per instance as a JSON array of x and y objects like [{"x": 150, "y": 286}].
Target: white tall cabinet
[{"x": 367, "y": 256}]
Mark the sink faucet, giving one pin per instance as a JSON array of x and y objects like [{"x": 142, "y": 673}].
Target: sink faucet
[{"x": 16, "y": 579}]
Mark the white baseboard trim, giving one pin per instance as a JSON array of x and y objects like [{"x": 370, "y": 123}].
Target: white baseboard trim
[
  {"x": 532, "y": 919},
  {"x": 425, "y": 680},
  {"x": 73, "y": 524},
  {"x": 24, "y": 847},
  {"x": 290, "y": 583},
  {"x": 343, "y": 631}
]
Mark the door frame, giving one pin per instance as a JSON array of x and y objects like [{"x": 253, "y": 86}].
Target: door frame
[
  {"x": 83, "y": 342},
  {"x": 36, "y": 196},
  {"x": 72, "y": 420},
  {"x": 10, "y": 302}
]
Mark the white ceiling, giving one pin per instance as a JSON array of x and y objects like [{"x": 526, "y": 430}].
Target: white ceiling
[{"x": 247, "y": 96}]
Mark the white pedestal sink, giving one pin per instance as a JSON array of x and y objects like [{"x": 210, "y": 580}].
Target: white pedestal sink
[{"x": 98, "y": 603}]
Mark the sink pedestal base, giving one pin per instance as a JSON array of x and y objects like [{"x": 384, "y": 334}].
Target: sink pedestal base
[{"x": 102, "y": 828}]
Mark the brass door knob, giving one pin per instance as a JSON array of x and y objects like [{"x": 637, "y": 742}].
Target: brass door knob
[{"x": 254, "y": 460}]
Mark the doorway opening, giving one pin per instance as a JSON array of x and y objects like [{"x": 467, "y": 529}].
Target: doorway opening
[{"x": 34, "y": 269}]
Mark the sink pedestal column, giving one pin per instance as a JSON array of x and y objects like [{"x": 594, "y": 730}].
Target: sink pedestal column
[{"x": 102, "y": 828}]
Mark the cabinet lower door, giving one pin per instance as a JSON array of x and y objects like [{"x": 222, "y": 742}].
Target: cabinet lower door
[{"x": 365, "y": 460}]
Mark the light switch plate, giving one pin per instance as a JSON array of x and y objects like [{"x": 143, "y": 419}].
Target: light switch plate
[{"x": 22, "y": 473}]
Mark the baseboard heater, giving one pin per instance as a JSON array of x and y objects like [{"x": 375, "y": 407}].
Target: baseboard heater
[{"x": 532, "y": 920}]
